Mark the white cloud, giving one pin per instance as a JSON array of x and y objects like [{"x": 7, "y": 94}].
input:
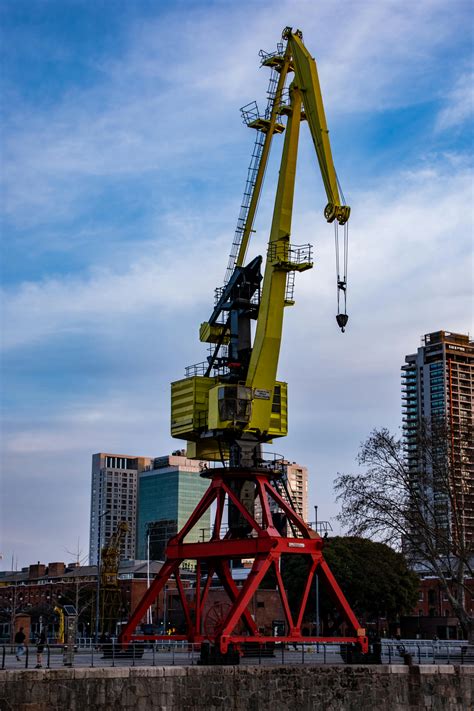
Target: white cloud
[
  {"x": 91, "y": 423},
  {"x": 402, "y": 241},
  {"x": 459, "y": 104},
  {"x": 174, "y": 93},
  {"x": 161, "y": 281}
]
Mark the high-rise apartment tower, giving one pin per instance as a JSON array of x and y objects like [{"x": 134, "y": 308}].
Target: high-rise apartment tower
[
  {"x": 438, "y": 391},
  {"x": 296, "y": 478},
  {"x": 114, "y": 499}
]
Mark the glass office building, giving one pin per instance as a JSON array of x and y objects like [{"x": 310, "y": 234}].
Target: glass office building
[{"x": 168, "y": 493}]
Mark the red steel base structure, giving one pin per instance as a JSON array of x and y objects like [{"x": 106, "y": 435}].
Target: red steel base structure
[{"x": 260, "y": 541}]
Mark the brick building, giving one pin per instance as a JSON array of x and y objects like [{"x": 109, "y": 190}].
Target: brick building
[
  {"x": 38, "y": 589},
  {"x": 433, "y": 615}
]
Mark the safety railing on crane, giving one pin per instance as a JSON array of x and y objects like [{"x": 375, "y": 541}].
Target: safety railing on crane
[
  {"x": 265, "y": 57},
  {"x": 195, "y": 369},
  {"x": 219, "y": 366},
  {"x": 250, "y": 113},
  {"x": 218, "y": 291},
  {"x": 268, "y": 460},
  {"x": 294, "y": 257}
]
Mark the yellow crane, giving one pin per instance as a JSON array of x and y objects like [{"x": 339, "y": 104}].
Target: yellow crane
[
  {"x": 110, "y": 593},
  {"x": 229, "y": 406},
  {"x": 60, "y": 614}
]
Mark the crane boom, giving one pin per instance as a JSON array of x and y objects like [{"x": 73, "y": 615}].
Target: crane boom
[
  {"x": 263, "y": 364},
  {"x": 306, "y": 76}
]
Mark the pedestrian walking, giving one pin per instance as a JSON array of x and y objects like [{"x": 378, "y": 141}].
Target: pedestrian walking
[
  {"x": 40, "y": 649},
  {"x": 20, "y": 643}
]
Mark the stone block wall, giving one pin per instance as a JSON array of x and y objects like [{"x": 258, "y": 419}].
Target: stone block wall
[{"x": 250, "y": 688}]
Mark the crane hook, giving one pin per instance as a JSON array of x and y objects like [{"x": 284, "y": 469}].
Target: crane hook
[{"x": 341, "y": 318}]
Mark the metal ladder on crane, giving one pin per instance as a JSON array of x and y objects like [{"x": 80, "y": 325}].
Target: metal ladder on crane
[
  {"x": 252, "y": 118},
  {"x": 248, "y": 191}
]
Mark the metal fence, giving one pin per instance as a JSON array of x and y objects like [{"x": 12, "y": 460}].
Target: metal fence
[
  {"x": 426, "y": 652},
  {"x": 56, "y": 656},
  {"x": 163, "y": 653}
]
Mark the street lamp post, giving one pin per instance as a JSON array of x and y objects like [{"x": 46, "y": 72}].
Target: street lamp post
[
  {"x": 165, "y": 610},
  {"x": 99, "y": 552},
  {"x": 316, "y": 578},
  {"x": 14, "y": 603},
  {"x": 148, "y": 614}
]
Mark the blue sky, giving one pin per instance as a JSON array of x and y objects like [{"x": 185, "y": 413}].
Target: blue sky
[{"x": 124, "y": 164}]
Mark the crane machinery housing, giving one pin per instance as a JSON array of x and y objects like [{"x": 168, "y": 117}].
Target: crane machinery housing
[{"x": 232, "y": 405}]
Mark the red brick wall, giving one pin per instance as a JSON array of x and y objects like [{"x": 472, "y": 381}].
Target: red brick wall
[{"x": 433, "y": 601}]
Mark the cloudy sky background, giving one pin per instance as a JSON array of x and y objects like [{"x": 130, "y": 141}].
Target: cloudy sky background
[{"x": 124, "y": 165}]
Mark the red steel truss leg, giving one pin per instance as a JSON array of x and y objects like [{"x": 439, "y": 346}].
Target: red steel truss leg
[
  {"x": 185, "y": 604},
  {"x": 233, "y": 592},
  {"x": 259, "y": 568},
  {"x": 338, "y": 595},
  {"x": 199, "y": 511},
  {"x": 267, "y": 517},
  {"x": 207, "y": 585},
  {"x": 219, "y": 513},
  {"x": 148, "y": 599},
  {"x": 307, "y": 588},
  {"x": 197, "y": 600},
  {"x": 242, "y": 509},
  {"x": 292, "y": 515},
  {"x": 284, "y": 599}
]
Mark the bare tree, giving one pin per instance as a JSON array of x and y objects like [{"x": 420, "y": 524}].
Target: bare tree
[
  {"x": 85, "y": 590},
  {"x": 413, "y": 495},
  {"x": 80, "y": 560}
]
